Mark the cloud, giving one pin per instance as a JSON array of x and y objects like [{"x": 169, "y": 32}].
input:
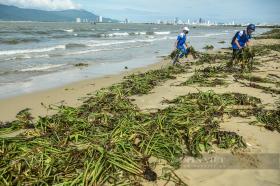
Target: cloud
[{"x": 43, "y": 4}]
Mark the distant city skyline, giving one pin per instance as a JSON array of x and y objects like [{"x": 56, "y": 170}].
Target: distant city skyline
[{"x": 240, "y": 11}]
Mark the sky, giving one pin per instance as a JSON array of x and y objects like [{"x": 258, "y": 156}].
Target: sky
[{"x": 240, "y": 11}]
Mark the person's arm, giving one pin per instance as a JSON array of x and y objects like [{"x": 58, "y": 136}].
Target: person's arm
[
  {"x": 186, "y": 45},
  {"x": 248, "y": 43},
  {"x": 237, "y": 43}
]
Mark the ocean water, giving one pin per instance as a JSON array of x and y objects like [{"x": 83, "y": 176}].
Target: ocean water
[{"x": 36, "y": 56}]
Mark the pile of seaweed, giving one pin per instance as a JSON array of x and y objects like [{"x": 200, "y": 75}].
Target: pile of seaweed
[
  {"x": 210, "y": 76},
  {"x": 272, "y": 34},
  {"x": 208, "y": 47},
  {"x": 192, "y": 52},
  {"x": 109, "y": 140}
]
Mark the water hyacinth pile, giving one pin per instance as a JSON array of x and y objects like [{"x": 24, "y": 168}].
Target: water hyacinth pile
[
  {"x": 253, "y": 78},
  {"x": 204, "y": 111},
  {"x": 270, "y": 119},
  {"x": 272, "y": 34},
  {"x": 205, "y": 58},
  {"x": 208, "y": 77},
  {"x": 261, "y": 50},
  {"x": 192, "y": 52},
  {"x": 108, "y": 140},
  {"x": 23, "y": 121},
  {"x": 244, "y": 57},
  {"x": 144, "y": 83},
  {"x": 208, "y": 47},
  {"x": 204, "y": 81},
  {"x": 258, "y": 86}
]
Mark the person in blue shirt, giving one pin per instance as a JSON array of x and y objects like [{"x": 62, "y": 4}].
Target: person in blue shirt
[
  {"x": 181, "y": 44},
  {"x": 241, "y": 40}
]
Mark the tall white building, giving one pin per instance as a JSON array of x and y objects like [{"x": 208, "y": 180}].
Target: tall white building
[
  {"x": 100, "y": 19},
  {"x": 180, "y": 22},
  {"x": 176, "y": 20},
  {"x": 78, "y": 20}
]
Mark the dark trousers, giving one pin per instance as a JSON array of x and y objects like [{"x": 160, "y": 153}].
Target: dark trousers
[{"x": 235, "y": 53}]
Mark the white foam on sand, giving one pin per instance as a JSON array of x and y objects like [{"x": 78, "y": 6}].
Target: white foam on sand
[{"x": 162, "y": 33}]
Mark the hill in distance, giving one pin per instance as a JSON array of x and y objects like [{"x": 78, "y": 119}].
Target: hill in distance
[{"x": 13, "y": 13}]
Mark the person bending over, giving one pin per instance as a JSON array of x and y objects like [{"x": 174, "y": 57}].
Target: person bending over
[
  {"x": 181, "y": 45},
  {"x": 241, "y": 40}
]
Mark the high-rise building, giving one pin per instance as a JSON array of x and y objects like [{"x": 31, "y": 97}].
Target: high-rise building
[
  {"x": 78, "y": 20},
  {"x": 176, "y": 20},
  {"x": 100, "y": 19},
  {"x": 180, "y": 22}
]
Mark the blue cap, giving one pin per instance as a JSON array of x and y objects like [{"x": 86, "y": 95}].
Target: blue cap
[{"x": 251, "y": 27}]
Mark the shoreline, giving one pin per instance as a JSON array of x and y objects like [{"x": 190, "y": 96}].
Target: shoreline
[
  {"x": 67, "y": 94},
  {"x": 163, "y": 109},
  {"x": 70, "y": 93}
]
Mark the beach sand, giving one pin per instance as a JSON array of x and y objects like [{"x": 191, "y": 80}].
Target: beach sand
[
  {"x": 258, "y": 139},
  {"x": 68, "y": 94}
]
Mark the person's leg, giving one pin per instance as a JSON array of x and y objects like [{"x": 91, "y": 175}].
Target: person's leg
[
  {"x": 250, "y": 60},
  {"x": 233, "y": 58},
  {"x": 183, "y": 52},
  {"x": 175, "y": 59}
]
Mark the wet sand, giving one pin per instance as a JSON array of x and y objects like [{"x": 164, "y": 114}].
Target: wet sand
[{"x": 69, "y": 94}]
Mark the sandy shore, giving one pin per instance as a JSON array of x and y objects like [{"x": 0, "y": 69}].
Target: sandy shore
[
  {"x": 68, "y": 94},
  {"x": 258, "y": 139}
]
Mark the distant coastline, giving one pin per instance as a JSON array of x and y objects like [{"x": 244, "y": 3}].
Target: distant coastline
[{"x": 13, "y": 13}]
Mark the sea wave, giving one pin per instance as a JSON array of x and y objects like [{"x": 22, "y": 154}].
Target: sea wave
[
  {"x": 68, "y": 30},
  {"x": 108, "y": 34},
  {"x": 75, "y": 45},
  {"x": 162, "y": 33},
  {"x": 38, "y": 50},
  {"x": 26, "y": 56},
  {"x": 210, "y": 35},
  {"x": 114, "y": 34},
  {"x": 138, "y": 33},
  {"x": 152, "y": 39},
  {"x": 119, "y": 34},
  {"x": 104, "y": 49},
  {"x": 17, "y": 41},
  {"x": 47, "y": 32},
  {"x": 42, "y": 68}
]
